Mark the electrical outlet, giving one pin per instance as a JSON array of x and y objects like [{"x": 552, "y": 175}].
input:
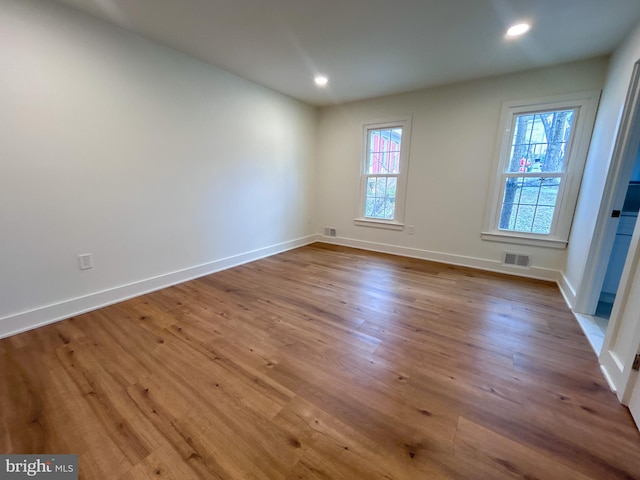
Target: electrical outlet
[
  {"x": 411, "y": 229},
  {"x": 85, "y": 261}
]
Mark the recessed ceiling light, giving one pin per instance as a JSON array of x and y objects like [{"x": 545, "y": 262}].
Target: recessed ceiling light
[
  {"x": 321, "y": 81},
  {"x": 517, "y": 30}
]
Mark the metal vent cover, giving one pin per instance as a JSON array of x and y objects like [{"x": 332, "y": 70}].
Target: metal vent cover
[{"x": 517, "y": 259}]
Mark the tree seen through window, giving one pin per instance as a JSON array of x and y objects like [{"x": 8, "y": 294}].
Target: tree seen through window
[{"x": 535, "y": 170}]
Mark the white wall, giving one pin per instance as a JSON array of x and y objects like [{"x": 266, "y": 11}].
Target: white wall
[
  {"x": 451, "y": 164},
  {"x": 599, "y": 159},
  {"x": 159, "y": 165}
]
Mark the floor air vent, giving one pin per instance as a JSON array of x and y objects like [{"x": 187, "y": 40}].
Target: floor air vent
[{"x": 517, "y": 259}]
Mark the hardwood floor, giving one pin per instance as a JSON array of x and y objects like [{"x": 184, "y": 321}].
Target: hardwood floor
[{"x": 322, "y": 363}]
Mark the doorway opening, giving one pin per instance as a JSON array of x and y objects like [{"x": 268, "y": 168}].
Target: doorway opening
[
  {"x": 624, "y": 231},
  {"x": 596, "y": 300}
]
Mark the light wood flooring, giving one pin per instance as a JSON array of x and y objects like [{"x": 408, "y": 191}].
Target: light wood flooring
[{"x": 321, "y": 363}]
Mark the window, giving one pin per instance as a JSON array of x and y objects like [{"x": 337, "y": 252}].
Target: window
[
  {"x": 535, "y": 170},
  {"x": 383, "y": 175},
  {"x": 542, "y": 149}
]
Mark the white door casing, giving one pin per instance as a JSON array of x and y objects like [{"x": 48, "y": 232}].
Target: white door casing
[
  {"x": 634, "y": 400},
  {"x": 623, "y": 156},
  {"x": 622, "y": 341}
]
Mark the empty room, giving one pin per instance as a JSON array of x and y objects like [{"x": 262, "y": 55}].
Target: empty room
[{"x": 285, "y": 239}]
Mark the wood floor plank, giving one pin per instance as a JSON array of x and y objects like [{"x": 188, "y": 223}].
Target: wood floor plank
[
  {"x": 323, "y": 362},
  {"x": 163, "y": 463},
  {"x": 486, "y": 449}
]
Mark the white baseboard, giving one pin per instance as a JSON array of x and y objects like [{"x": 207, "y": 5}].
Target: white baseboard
[
  {"x": 459, "y": 260},
  {"x": 567, "y": 290},
  {"x": 21, "y": 322},
  {"x": 608, "y": 378},
  {"x": 591, "y": 330}
]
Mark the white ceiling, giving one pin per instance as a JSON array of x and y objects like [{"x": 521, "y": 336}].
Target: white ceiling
[{"x": 369, "y": 48}]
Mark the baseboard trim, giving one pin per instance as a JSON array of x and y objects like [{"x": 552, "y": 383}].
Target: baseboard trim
[
  {"x": 608, "y": 378},
  {"x": 451, "y": 259},
  {"x": 591, "y": 330},
  {"x": 28, "y": 320},
  {"x": 567, "y": 290}
]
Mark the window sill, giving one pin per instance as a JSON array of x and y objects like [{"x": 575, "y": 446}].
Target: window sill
[
  {"x": 523, "y": 240},
  {"x": 368, "y": 222}
]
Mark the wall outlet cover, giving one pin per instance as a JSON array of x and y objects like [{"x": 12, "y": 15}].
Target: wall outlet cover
[{"x": 85, "y": 261}]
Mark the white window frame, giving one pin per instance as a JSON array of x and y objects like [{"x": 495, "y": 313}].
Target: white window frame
[
  {"x": 401, "y": 187},
  {"x": 585, "y": 105}
]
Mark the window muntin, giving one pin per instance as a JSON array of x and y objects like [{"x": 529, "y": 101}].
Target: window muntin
[
  {"x": 384, "y": 150},
  {"x": 534, "y": 172},
  {"x": 529, "y": 204},
  {"x": 542, "y": 136}
]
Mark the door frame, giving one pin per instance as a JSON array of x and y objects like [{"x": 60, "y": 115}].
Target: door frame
[
  {"x": 623, "y": 157},
  {"x": 622, "y": 340}
]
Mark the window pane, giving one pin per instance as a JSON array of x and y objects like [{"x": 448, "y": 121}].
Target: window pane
[
  {"x": 391, "y": 187},
  {"x": 369, "y": 207},
  {"x": 381, "y": 197},
  {"x": 379, "y": 208},
  {"x": 540, "y": 141},
  {"x": 389, "y": 208},
  {"x": 529, "y": 204},
  {"x": 384, "y": 151},
  {"x": 542, "y": 220},
  {"x": 523, "y": 220},
  {"x": 371, "y": 187}
]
